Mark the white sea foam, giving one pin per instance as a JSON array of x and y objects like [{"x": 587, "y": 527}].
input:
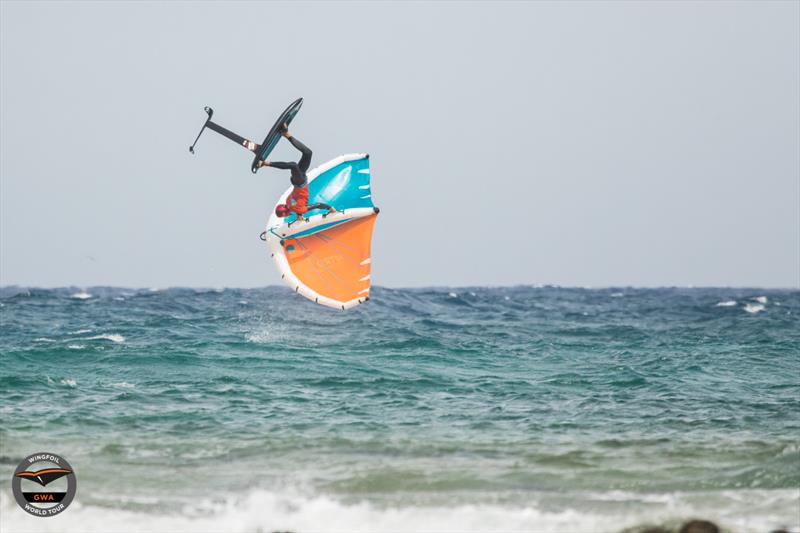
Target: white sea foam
[
  {"x": 453, "y": 295},
  {"x": 761, "y": 299},
  {"x": 269, "y": 332},
  {"x": 753, "y": 308},
  {"x": 114, "y": 337},
  {"x": 726, "y": 303},
  {"x": 123, "y": 385},
  {"x": 69, "y": 382},
  {"x": 83, "y": 295},
  {"x": 268, "y": 511},
  {"x": 259, "y": 337},
  {"x": 119, "y": 298},
  {"x": 76, "y": 346},
  {"x": 43, "y": 339},
  {"x": 617, "y": 295},
  {"x": 80, "y": 331}
]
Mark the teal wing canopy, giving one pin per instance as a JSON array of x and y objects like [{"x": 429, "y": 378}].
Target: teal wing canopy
[{"x": 345, "y": 185}]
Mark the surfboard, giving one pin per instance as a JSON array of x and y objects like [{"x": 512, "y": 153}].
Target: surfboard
[{"x": 274, "y": 134}]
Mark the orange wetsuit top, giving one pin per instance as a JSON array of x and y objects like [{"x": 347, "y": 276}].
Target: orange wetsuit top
[{"x": 297, "y": 201}]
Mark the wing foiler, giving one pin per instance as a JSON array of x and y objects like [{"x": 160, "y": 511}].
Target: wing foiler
[{"x": 327, "y": 258}]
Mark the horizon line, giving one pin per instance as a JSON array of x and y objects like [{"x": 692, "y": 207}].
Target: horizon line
[{"x": 421, "y": 287}]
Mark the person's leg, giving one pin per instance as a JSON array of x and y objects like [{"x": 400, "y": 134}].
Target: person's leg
[
  {"x": 305, "y": 160},
  {"x": 298, "y": 178},
  {"x": 289, "y": 165}
]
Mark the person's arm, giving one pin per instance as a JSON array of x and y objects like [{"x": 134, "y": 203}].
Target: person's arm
[
  {"x": 300, "y": 210},
  {"x": 322, "y": 206}
]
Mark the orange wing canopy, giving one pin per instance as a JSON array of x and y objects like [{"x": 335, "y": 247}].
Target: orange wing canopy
[{"x": 334, "y": 263}]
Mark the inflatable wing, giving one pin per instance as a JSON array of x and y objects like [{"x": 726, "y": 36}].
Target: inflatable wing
[{"x": 327, "y": 259}]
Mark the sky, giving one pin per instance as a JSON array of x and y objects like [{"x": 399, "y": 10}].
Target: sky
[{"x": 575, "y": 143}]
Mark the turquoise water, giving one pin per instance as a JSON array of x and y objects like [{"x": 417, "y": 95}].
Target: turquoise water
[{"x": 504, "y": 409}]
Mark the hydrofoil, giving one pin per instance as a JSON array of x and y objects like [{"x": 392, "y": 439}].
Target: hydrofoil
[{"x": 262, "y": 150}]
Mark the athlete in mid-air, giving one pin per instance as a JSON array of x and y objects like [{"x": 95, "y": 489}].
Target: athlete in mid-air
[{"x": 297, "y": 201}]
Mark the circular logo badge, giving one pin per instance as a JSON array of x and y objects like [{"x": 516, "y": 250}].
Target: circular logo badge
[{"x": 44, "y": 484}]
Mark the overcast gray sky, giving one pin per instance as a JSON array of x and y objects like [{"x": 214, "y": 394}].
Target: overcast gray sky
[{"x": 568, "y": 143}]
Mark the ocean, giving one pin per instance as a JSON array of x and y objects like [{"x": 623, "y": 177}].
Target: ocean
[{"x": 444, "y": 409}]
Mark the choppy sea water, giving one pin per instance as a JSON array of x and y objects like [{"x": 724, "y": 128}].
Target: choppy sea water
[{"x": 458, "y": 409}]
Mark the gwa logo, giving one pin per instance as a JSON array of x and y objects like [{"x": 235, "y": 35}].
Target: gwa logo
[{"x": 47, "y": 470}]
